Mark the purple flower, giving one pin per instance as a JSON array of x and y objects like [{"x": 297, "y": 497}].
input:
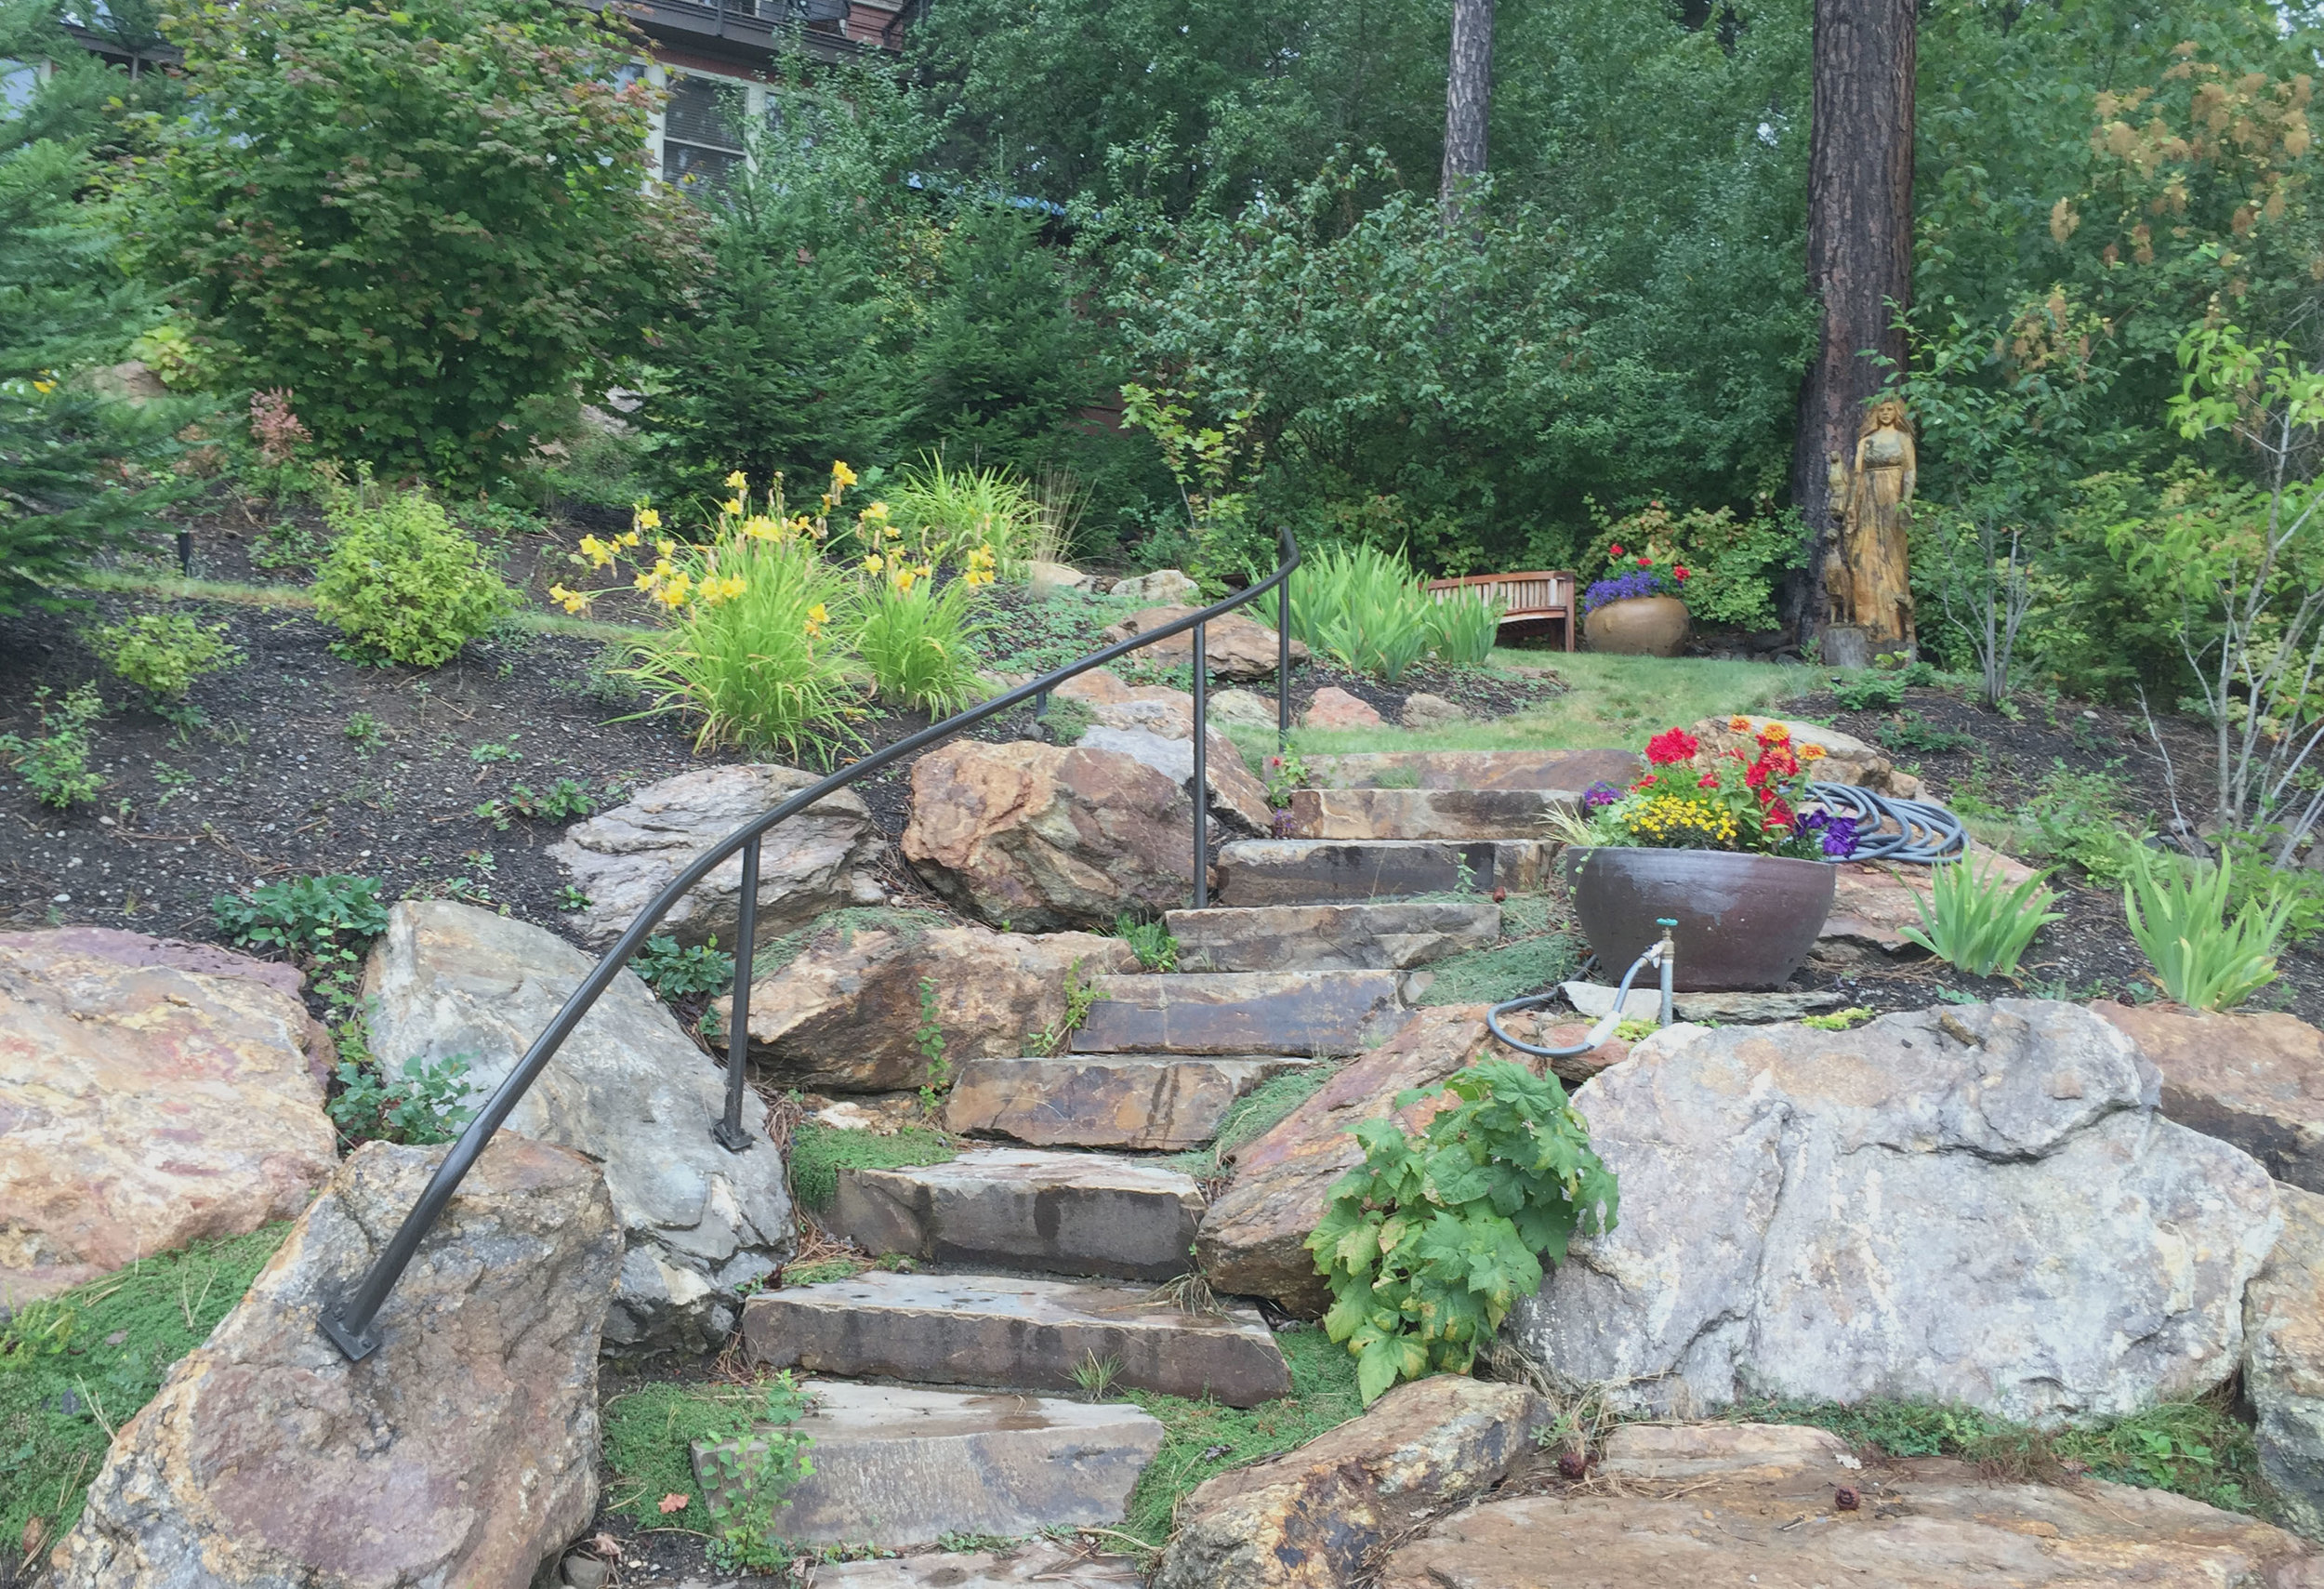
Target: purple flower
[
  {"x": 1599, "y": 794},
  {"x": 1637, "y": 582},
  {"x": 1837, "y": 834}
]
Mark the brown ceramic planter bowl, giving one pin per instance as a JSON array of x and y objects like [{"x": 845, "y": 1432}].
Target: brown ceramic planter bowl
[
  {"x": 1643, "y": 626},
  {"x": 1744, "y": 921}
]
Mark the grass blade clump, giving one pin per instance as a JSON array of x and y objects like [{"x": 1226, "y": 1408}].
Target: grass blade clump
[
  {"x": 1977, "y": 922},
  {"x": 2178, "y": 913},
  {"x": 1367, "y": 610},
  {"x": 953, "y": 511},
  {"x": 1463, "y": 628},
  {"x": 918, "y": 644}
]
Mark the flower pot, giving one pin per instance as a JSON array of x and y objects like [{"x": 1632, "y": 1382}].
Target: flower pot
[
  {"x": 1642, "y": 626},
  {"x": 1744, "y": 921}
]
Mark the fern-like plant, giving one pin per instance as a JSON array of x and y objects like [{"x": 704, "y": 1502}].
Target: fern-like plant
[
  {"x": 2178, "y": 913},
  {"x": 1428, "y": 1245},
  {"x": 1976, "y": 921}
]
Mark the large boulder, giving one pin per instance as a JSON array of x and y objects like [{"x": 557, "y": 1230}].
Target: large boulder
[
  {"x": 1980, "y": 1206},
  {"x": 1253, "y": 1238},
  {"x": 628, "y": 1089},
  {"x": 1727, "y": 1507},
  {"x": 1312, "y": 1517},
  {"x": 2283, "y": 1361},
  {"x": 1233, "y": 646},
  {"x": 1043, "y": 837},
  {"x": 1847, "y": 760},
  {"x": 2255, "y": 1081},
  {"x": 623, "y": 857},
  {"x": 847, "y": 1014},
  {"x": 464, "y": 1451},
  {"x": 151, "y": 1094},
  {"x": 1155, "y": 724}
]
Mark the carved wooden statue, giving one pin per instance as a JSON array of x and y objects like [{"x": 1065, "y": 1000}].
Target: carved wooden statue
[{"x": 1866, "y": 572}]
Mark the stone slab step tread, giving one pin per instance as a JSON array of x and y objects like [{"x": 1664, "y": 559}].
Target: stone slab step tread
[
  {"x": 1326, "y": 871},
  {"x": 1020, "y": 1208},
  {"x": 902, "y": 1465},
  {"x": 1157, "y": 1103},
  {"x": 1393, "y": 937},
  {"x": 1025, "y": 1333},
  {"x": 1474, "y": 769},
  {"x": 1295, "y": 1012},
  {"x": 1426, "y": 814}
]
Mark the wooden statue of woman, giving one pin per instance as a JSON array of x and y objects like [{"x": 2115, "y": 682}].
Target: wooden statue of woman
[{"x": 1868, "y": 575}]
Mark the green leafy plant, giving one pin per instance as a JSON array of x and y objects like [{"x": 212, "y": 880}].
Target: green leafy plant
[
  {"x": 1428, "y": 1245},
  {"x": 305, "y": 914},
  {"x": 424, "y": 1101},
  {"x": 364, "y": 731},
  {"x": 286, "y": 548},
  {"x": 1058, "y": 1034},
  {"x": 929, "y": 1037},
  {"x": 403, "y": 583},
  {"x": 163, "y": 653},
  {"x": 1869, "y": 689},
  {"x": 918, "y": 642},
  {"x": 54, "y": 762},
  {"x": 1463, "y": 629},
  {"x": 954, "y": 511},
  {"x": 1067, "y": 719},
  {"x": 1974, "y": 920},
  {"x": 1912, "y": 734},
  {"x": 675, "y": 973},
  {"x": 819, "y": 1152},
  {"x": 1151, "y": 942},
  {"x": 561, "y": 802},
  {"x": 1366, "y": 609},
  {"x": 1284, "y": 774},
  {"x": 820, "y": 1271},
  {"x": 1096, "y": 1376},
  {"x": 493, "y": 750},
  {"x": 1840, "y": 1020},
  {"x": 756, "y": 1457},
  {"x": 2178, "y": 913}
]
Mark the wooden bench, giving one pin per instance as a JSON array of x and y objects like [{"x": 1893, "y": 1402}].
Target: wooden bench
[{"x": 1531, "y": 601}]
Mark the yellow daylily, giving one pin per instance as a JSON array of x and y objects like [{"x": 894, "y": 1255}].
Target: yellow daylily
[
  {"x": 738, "y": 481},
  {"x": 841, "y": 476},
  {"x": 647, "y": 519},
  {"x": 874, "y": 563}
]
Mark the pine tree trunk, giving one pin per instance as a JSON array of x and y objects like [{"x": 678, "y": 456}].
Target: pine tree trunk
[
  {"x": 1859, "y": 245},
  {"x": 1467, "y": 101}
]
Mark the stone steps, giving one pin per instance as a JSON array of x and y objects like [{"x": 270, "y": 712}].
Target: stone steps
[
  {"x": 1027, "y": 1333},
  {"x": 1159, "y": 1102},
  {"x": 1331, "y": 937},
  {"x": 1017, "y": 1208},
  {"x": 1241, "y": 1012},
  {"x": 1474, "y": 769},
  {"x": 1318, "y": 872},
  {"x": 903, "y": 1465},
  {"x": 1425, "y": 814}
]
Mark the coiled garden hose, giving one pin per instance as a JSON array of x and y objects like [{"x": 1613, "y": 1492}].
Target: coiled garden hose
[{"x": 1925, "y": 834}]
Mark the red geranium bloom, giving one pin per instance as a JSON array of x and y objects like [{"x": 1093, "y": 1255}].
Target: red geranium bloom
[
  {"x": 1616, "y": 551},
  {"x": 1756, "y": 775},
  {"x": 1672, "y": 745},
  {"x": 1678, "y": 573},
  {"x": 1646, "y": 562},
  {"x": 1708, "y": 781}
]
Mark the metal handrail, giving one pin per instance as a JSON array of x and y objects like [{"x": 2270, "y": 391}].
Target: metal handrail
[{"x": 348, "y": 1320}]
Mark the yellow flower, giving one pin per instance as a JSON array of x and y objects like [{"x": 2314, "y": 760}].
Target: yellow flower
[
  {"x": 43, "y": 387},
  {"x": 629, "y": 540},
  {"x": 818, "y": 614},
  {"x": 644, "y": 581},
  {"x": 738, "y": 481},
  {"x": 571, "y": 601},
  {"x": 895, "y": 534},
  {"x": 600, "y": 554},
  {"x": 906, "y": 574},
  {"x": 675, "y": 590},
  {"x": 666, "y": 546},
  {"x": 720, "y": 587},
  {"x": 758, "y": 527},
  {"x": 1739, "y": 723},
  {"x": 841, "y": 476},
  {"x": 1775, "y": 734},
  {"x": 876, "y": 510},
  {"x": 733, "y": 505},
  {"x": 647, "y": 520},
  {"x": 874, "y": 563}
]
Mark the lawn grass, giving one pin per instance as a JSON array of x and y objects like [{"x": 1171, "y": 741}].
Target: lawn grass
[
  {"x": 66, "y": 1382},
  {"x": 2197, "y": 1448},
  {"x": 1202, "y": 1439},
  {"x": 820, "y": 1152}
]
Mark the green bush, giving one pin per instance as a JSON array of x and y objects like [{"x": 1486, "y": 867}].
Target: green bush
[
  {"x": 1367, "y": 610},
  {"x": 1428, "y": 1245},
  {"x": 1733, "y": 565},
  {"x": 163, "y": 653},
  {"x": 403, "y": 583},
  {"x": 2178, "y": 914},
  {"x": 431, "y": 221},
  {"x": 1976, "y": 922},
  {"x": 55, "y": 761},
  {"x": 917, "y": 644}
]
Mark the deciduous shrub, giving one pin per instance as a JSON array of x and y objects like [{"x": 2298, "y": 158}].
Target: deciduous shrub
[
  {"x": 55, "y": 761},
  {"x": 405, "y": 584},
  {"x": 1430, "y": 1243},
  {"x": 163, "y": 653}
]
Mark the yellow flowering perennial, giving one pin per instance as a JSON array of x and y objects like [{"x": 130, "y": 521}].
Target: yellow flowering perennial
[{"x": 1671, "y": 821}]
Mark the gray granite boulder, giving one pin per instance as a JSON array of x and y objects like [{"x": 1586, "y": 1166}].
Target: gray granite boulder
[
  {"x": 623, "y": 857},
  {"x": 1981, "y": 1205},
  {"x": 2283, "y": 1362},
  {"x": 628, "y": 1089}
]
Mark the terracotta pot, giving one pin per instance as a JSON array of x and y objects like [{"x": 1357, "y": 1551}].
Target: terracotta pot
[
  {"x": 1744, "y": 921},
  {"x": 1642, "y": 626}
]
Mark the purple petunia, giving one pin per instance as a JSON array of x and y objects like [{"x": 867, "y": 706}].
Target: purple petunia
[
  {"x": 1837, "y": 834},
  {"x": 1622, "y": 587},
  {"x": 1599, "y": 794}
]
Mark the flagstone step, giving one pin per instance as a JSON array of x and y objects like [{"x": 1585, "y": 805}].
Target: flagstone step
[
  {"x": 1226, "y": 1013},
  {"x": 902, "y": 1465},
  {"x": 1332, "y": 937},
  {"x": 1474, "y": 769},
  {"x": 1038, "y": 1564},
  {"x": 1425, "y": 814},
  {"x": 988, "y": 1329},
  {"x": 1160, "y": 1103},
  {"x": 1325, "y": 871},
  {"x": 1020, "y": 1208}
]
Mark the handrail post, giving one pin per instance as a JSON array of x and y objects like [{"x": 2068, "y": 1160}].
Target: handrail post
[
  {"x": 730, "y": 1133},
  {"x": 1202, "y": 770},
  {"x": 1283, "y": 668}
]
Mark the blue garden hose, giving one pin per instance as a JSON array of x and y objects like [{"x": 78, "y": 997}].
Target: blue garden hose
[{"x": 1661, "y": 952}]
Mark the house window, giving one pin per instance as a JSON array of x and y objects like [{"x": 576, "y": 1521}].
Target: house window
[{"x": 701, "y": 145}]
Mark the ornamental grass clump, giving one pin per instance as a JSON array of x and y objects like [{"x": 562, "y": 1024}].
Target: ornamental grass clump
[
  {"x": 1367, "y": 610},
  {"x": 952, "y": 513},
  {"x": 1696, "y": 799},
  {"x": 1429, "y": 1244},
  {"x": 755, "y": 653},
  {"x": 2178, "y": 914},
  {"x": 915, "y": 636},
  {"x": 1974, "y": 920}
]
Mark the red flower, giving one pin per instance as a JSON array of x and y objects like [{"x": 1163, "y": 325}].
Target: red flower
[
  {"x": 1677, "y": 573},
  {"x": 1708, "y": 781},
  {"x": 1756, "y": 775},
  {"x": 1670, "y": 746},
  {"x": 1778, "y": 815},
  {"x": 1646, "y": 562},
  {"x": 1616, "y": 551}
]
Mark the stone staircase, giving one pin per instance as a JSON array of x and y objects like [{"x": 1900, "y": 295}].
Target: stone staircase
[{"x": 1036, "y": 1260}]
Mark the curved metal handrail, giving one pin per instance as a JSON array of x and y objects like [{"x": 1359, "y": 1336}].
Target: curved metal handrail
[{"x": 348, "y": 1320}]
